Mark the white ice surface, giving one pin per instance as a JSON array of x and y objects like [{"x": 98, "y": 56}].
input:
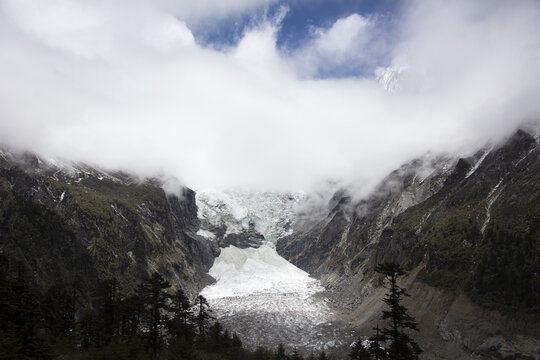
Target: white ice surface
[
  {"x": 267, "y": 301},
  {"x": 242, "y": 272}
]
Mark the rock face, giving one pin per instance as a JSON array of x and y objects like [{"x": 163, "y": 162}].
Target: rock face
[
  {"x": 65, "y": 221},
  {"x": 322, "y": 248},
  {"x": 467, "y": 230}
]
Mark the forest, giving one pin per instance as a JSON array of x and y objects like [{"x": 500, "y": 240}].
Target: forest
[{"x": 157, "y": 322}]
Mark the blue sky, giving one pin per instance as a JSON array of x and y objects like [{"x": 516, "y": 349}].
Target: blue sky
[
  {"x": 296, "y": 28},
  {"x": 320, "y": 13}
]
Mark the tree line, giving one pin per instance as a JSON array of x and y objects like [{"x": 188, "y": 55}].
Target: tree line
[{"x": 151, "y": 322}]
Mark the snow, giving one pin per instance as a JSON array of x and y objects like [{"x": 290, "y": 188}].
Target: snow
[
  {"x": 478, "y": 163},
  {"x": 268, "y": 301},
  {"x": 61, "y": 198},
  {"x": 271, "y": 213},
  {"x": 205, "y": 233},
  {"x": 389, "y": 77},
  {"x": 525, "y": 156},
  {"x": 492, "y": 197},
  {"x": 242, "y": 272},
  {"x": 260, "y": 295}
]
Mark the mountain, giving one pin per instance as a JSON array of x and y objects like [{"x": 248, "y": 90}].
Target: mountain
[
  {"x": 468, "y": 232},
  {"x": 280, "y": 268},
  {"x": 65, "y": 222},
  {"x": 391, "y": 78}
]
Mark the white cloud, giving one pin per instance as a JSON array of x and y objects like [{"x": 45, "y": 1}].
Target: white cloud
[
  {"x": 63, "y": 24},
  {"x": 166, "y": 33},
  {"x": 350, "y": 43},
  {"x": 345, "y": 36},
  {"x": 204, "y": 9},
  {"x": 126, "y": 86}
]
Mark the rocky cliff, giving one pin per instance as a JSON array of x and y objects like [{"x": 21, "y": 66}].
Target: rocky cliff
[
  {"x": 63, "y": 222},
  {"x": 467, "y": 230}
]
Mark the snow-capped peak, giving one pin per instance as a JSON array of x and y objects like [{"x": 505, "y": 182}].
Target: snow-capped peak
[{"x": 389, "y": 77}]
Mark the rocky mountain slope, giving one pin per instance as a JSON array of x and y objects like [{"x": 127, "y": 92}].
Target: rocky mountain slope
[
  {"x": 64, "y": 222},
  {"x": 467, "y": 229}
]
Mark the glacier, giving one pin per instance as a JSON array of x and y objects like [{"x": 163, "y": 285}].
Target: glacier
[{"x": 258, "y": 294}]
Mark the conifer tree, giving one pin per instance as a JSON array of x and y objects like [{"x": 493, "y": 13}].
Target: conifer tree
[
  {"x": 401, "y": 345},
  {"x": 296, "y": 355},
  {"x": 178, "y": 349},
  {"x": 203, "y": 315},
  {"x": 181, "y": 323},
  {"x": 156, "y": 299},
  {"x": 280, "y": 352},
  {"x": 236, "y": 344},
  {"x": 108, "y": 296},
  {"x": 359, "y": 352},
  {"x": 374, "y": 348},
  {"x": 215, "y": 340},
  {"x": 20, "y": 320}
]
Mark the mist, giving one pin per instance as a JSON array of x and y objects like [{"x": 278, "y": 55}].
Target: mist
[{"x": 125, "y": 85}]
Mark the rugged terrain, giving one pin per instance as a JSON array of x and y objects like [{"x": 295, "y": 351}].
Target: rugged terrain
[
  {"x": 65, "y": 222},
  {"x": 467, "y": 229}
]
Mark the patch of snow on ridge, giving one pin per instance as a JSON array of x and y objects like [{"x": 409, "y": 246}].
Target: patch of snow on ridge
[
  {"x": 389, "y": 77},
  {"x": 479, "y": 162}
]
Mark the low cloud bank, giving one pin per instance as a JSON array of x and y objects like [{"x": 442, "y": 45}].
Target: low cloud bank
[{"x": 125, "y": 85}]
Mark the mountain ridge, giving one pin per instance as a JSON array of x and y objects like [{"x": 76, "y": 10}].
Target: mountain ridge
[
  {"x": 125, "y": 227},
  {"x": 476, "y": 224}
]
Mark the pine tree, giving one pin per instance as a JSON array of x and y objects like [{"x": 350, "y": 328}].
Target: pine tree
[
  {"x": 156, "y": 299},
  {"x": 280, "y": 352},
  {"x": 59, "y": 305},
  {"x": 236, "y": 344},
  {"x": 296, "y": 355},
  {"x": 262, "y": 354},
  {"x": 88, "y": 330},
  {"x": 203, "y": 316},
  {"x": 20, "y": 320},
  {"x": 181, "y": 323},
  {"x": 215, "y": 340},
  {"x": 180, "y": 349},
  {"x": 359, "y": 352},
  {"x": 108, "y": 296},
  {"x": 374, "y": 348},
  {"x": 401, "y": 346}
]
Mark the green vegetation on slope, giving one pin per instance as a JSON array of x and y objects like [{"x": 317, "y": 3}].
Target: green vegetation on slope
[{"x": 96, "y": 197}]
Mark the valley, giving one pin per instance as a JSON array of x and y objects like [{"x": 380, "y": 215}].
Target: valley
[{"x": 276, "y": 269}]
